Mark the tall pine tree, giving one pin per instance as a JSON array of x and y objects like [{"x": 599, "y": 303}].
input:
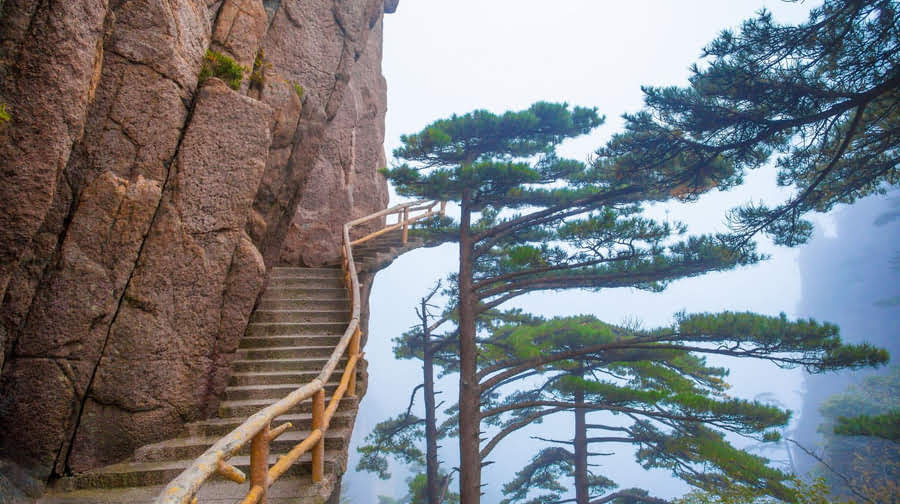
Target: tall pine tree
[{"x": 531, "y": 221}]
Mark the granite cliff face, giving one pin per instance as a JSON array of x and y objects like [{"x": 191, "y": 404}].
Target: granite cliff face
[{"x": 140, "y": 208}]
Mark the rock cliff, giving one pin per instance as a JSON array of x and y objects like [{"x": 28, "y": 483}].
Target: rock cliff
[{"x": 140, "y": 206}]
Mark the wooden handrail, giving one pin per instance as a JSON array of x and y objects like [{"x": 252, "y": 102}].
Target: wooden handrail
[{"x": 256, "y": 429}]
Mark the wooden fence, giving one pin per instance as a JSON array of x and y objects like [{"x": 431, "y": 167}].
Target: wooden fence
[{"x": 257, "y": 429}]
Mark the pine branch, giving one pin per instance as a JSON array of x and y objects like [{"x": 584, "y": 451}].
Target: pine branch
[
  {"x": 802, "y": 198},
  {"x": 849, "y": 484},
  {"x": 643, "y": 499},
  {"x": 509, "y": 429},
  {"x": 548, "y": 440}
]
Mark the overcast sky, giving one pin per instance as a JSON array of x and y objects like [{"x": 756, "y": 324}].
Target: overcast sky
[{"x": 445, "y": 57}]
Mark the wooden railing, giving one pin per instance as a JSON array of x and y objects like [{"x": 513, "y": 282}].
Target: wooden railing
[{"x": 257, "y": 429}]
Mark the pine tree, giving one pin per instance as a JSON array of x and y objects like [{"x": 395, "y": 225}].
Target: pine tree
[
  {"x": 822, "y": 96},
  {"x": 398, "y": 437},
  {"x": 531, "y": 221},
  {"x": 659, "y": 380}
]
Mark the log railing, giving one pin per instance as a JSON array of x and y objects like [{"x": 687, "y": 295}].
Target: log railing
[{"x": 257, "y": 429}]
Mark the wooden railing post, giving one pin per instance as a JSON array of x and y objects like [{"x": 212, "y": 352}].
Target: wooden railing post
[
  {"x": 259, "y": 462},
  {"x": 318, "y": 422},
  {"x": 443, "y": 208},
  {"x": 405, "y": 225},
  {"x": 257, "y": 429},
  {"x": 354, "y": 350}
]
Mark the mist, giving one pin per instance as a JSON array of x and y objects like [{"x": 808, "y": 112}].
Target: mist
[{"x": 452, "y": 57}]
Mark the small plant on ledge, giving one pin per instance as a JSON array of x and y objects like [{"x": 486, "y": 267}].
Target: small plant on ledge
[
  {"x": 298, "y": 89},
  {"x": 4, "y": 114},
  {"x": 260, "y": 65},
  {"x": 223, "y": 67}
]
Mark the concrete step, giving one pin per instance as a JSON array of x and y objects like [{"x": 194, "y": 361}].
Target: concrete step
[
  {"x": 246, "y": 408},
  {"x": 276, "y": 365},
  {"x": 304, "y": 282},
  {"x": 219, "y": 427},
  {"x": 294, "y": 272},
  {"x": 274, "y": 378},
  {"x": 287, "y": 490},
  {"x": 313, "y": 340},
  {"x": 368, "y": 255},
  {"x": 307, "y": 303},
  {"x": 380, "y": 246},
  {"x": 342, "y": 314},
  {"x": 294, "y": 328},
  {"x": 136, "y": 474},
  {"x": 273, "y": 293},
  {"x": 193, "y": 447},
  {"x": 291, "y": 352},
  {"x": 253, "y": 392}
]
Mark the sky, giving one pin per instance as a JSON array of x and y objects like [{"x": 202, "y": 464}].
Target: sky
[{"x": 443, "y": 57}]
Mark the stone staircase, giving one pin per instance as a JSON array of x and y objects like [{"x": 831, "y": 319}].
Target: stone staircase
[{"x": 292, "y": 333}]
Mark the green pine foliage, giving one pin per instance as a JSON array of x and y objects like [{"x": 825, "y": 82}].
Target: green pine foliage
[
  {"x": 532, "y": 221},
  {"x": 397, "y": 437},
  {"x": 822, "y": 98},
  {"x": 222, "y": 67},
  {"x": 416, "y": 493},
  {"x": 860, "y": 438},
  {"x": 679, "y": 406},
  {"x": 541, "y": 222},
  {"x": 546, "y": 472},
  {"x": 886, "y": 426},
  {"x": 814, "y": 492}
]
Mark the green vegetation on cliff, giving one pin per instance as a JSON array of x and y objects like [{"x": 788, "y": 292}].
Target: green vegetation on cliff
[{"x": 223, "y": 67}]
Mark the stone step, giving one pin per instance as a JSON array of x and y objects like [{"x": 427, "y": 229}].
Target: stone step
[
  {"x": 193, "y": 447},
  {"x": 275, "y": 365},
  {"x": 275, "y": 378},
  {"x": 287, "y": 490},
  {"x": 302, "y": 315},
  {"x": 273, "y": 293},
  {"x": 368, "y": 255},
  {"x": 303, "y": 282},
  {"x": 293, "y": 272},
  {"x": 219, "y": 427},
  {"x": 300, "y": 303},
  {"x": 294, "y": 328},
  {"x": 378, "y": 241},
  {"x": 253, "y": 392},
  {"x": 136, "y": 474},
  {"x": 291, "y": 352},
  {"x": 367, "y": 248},
  {"x": 300, "y": 318},
  {"x": 313, "y": 340},
  {"x": 228, "y": 409}
]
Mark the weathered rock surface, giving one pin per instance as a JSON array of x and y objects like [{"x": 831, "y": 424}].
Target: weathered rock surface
[
  {"x": 341, "y": 181},
  {"x": 139, "y": 209},
  {"x": 309, "y": 170}
]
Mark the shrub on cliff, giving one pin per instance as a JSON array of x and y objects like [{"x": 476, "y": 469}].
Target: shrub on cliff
[{"x": 223, "y": 67}]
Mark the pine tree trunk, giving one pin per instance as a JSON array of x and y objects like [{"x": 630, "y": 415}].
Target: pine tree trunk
[
  {"x": 433, "y": 487},
  {"x": 469, "y": 394},
  {"x": 582, "y": 495}
]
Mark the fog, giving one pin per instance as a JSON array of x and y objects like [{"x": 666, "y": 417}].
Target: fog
[{"x": 451, "y": 57}]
